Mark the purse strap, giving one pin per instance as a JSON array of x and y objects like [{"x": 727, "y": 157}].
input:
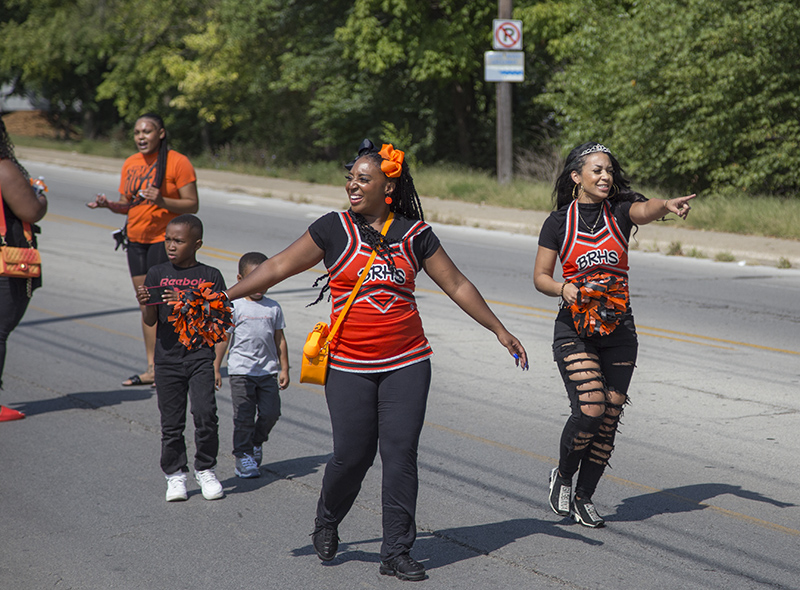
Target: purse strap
[
  {"x": 26, "y": 227},
  {"x": 363, "y": 276}
]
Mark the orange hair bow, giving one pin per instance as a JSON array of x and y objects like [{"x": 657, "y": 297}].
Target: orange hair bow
[{"x": 392, "y": 164}]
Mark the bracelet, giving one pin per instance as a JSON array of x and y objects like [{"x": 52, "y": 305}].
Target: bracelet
[{"x": 561, "y": 293}]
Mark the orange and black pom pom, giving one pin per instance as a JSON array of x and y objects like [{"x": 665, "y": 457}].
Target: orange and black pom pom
[
  {"x": 201, "y": 316},
  {"x": 601, "y": 303}
]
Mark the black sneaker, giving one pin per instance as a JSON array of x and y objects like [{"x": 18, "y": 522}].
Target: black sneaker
[
  {"x": 560, "y": 493},
  {"x": 583, "y": 511},
  {"x": 404, "y": 567},
  {"x": 325, "y": 540}
]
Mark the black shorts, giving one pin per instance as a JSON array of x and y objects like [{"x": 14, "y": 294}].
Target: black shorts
[{"x": 142, "y": 256}]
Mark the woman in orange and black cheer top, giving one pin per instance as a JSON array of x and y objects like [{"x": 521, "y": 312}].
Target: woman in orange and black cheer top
[
  {"x": 595, "y": 341},
  {"x": 157, "y": 185},
  {"x": 380, "y": 370}
]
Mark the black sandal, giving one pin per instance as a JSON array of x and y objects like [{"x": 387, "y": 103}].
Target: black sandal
[{"x": 136, "y": 380}]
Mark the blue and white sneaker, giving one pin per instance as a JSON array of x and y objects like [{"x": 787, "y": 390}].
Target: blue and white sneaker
[{"x": 246, "y": 467}]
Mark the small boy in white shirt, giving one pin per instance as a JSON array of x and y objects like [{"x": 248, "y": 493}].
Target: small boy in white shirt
[{"x": 258, "y": 366}]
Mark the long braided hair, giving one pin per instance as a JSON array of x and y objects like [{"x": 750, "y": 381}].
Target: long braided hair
[
  {"x": 405, "y": 202},
  {"x": 163, "y": 148},
  {"x": 7, "y": 150}
]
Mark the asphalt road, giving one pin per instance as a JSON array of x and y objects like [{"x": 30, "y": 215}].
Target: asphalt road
[{"x": 703, "y": 492}]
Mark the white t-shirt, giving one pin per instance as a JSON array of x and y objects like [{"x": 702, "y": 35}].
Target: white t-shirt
[{"x": 252, "y": 349}]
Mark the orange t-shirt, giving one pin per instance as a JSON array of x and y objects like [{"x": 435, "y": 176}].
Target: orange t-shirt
[{"x": 148, "y": 222}]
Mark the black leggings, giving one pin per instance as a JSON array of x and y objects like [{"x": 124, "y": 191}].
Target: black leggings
[
  {"x": 13, "y": 303},
  {"x": 368, "y": 409},
  {"x": 597, "y": 372},
  {"x": 142, "y": 256}
]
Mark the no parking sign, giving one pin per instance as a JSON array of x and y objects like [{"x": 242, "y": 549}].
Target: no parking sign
[{"x": 507, "y": 35}]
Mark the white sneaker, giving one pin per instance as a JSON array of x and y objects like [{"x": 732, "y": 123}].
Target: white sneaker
[
  {"x": 257, "y": 455},
  {"x": 209, "y": 484},
  {"x": 176, "y": 487}
]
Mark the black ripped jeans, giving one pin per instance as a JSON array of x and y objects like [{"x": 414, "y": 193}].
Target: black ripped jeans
[{"x": 597, "y": 371}]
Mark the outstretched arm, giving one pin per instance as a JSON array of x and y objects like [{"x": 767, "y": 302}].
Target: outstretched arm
[
  {"x": 101, "y": 202},
  {"x": 459, "y": 288},
  {"x": 300, "y": 256},
  {"x": 643, "y": 212}
]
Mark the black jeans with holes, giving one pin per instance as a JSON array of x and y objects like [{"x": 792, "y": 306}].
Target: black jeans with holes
[{"x": 616, "y": 355}]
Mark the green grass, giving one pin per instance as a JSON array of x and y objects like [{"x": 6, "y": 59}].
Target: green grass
[
  {"x": 761, "y": 216},
  {"x": 111, "y": 149},
  {"x": 674, "y": 249},
  {"x": 473, "y": 186},
  {"x": 740, "y": 214}
]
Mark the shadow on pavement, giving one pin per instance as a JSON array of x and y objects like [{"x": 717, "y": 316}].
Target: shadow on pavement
[
  {"x": 682, "y": 499},
  {"x": 85, "y": 400},
  {"x": 270, "y": 472},
  {"x": 448, "y": 546},
  {"x": 80, "y": 316},
  {"x": 469, "y": 541}
]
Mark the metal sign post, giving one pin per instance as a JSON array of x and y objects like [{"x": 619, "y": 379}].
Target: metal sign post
[{"x": 505, "y": 66}]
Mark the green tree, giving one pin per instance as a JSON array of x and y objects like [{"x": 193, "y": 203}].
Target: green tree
[
  {"x": 691, "y": 102},
  {"x": 59, "y": 49},
  {"x": 417, "y": 66},
  {"x": 149, "y": 38},
  {"x": 300, "y": 80}
]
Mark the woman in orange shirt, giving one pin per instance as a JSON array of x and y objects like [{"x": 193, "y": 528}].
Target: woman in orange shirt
[{"x": 157, "y": 184}]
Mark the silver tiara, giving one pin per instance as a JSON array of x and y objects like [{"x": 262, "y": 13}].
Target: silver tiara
[{"x": 595, "y": 148}]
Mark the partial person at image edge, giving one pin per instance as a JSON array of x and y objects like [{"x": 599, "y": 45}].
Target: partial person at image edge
[{"x": 20, "y": 204}]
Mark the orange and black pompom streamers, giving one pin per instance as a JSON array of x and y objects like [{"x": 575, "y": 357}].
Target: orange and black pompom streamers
[
  {"x": 201, "y": 316},
  {"x": 601, "y": 303}
]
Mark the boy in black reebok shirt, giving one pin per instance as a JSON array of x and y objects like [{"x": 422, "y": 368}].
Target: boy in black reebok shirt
[{"x": 183, "y": 375}]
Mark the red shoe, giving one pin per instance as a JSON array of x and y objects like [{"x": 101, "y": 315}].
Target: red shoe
[{"x": 7, "y": 414}]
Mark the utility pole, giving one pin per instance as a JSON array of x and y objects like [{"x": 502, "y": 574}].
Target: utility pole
[{"x": 504, "y": 150}]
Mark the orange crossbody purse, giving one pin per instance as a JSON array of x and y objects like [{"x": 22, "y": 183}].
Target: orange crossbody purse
[
  {"x": 315, "y": 351},
  {"x": 20, "y": 263}
]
